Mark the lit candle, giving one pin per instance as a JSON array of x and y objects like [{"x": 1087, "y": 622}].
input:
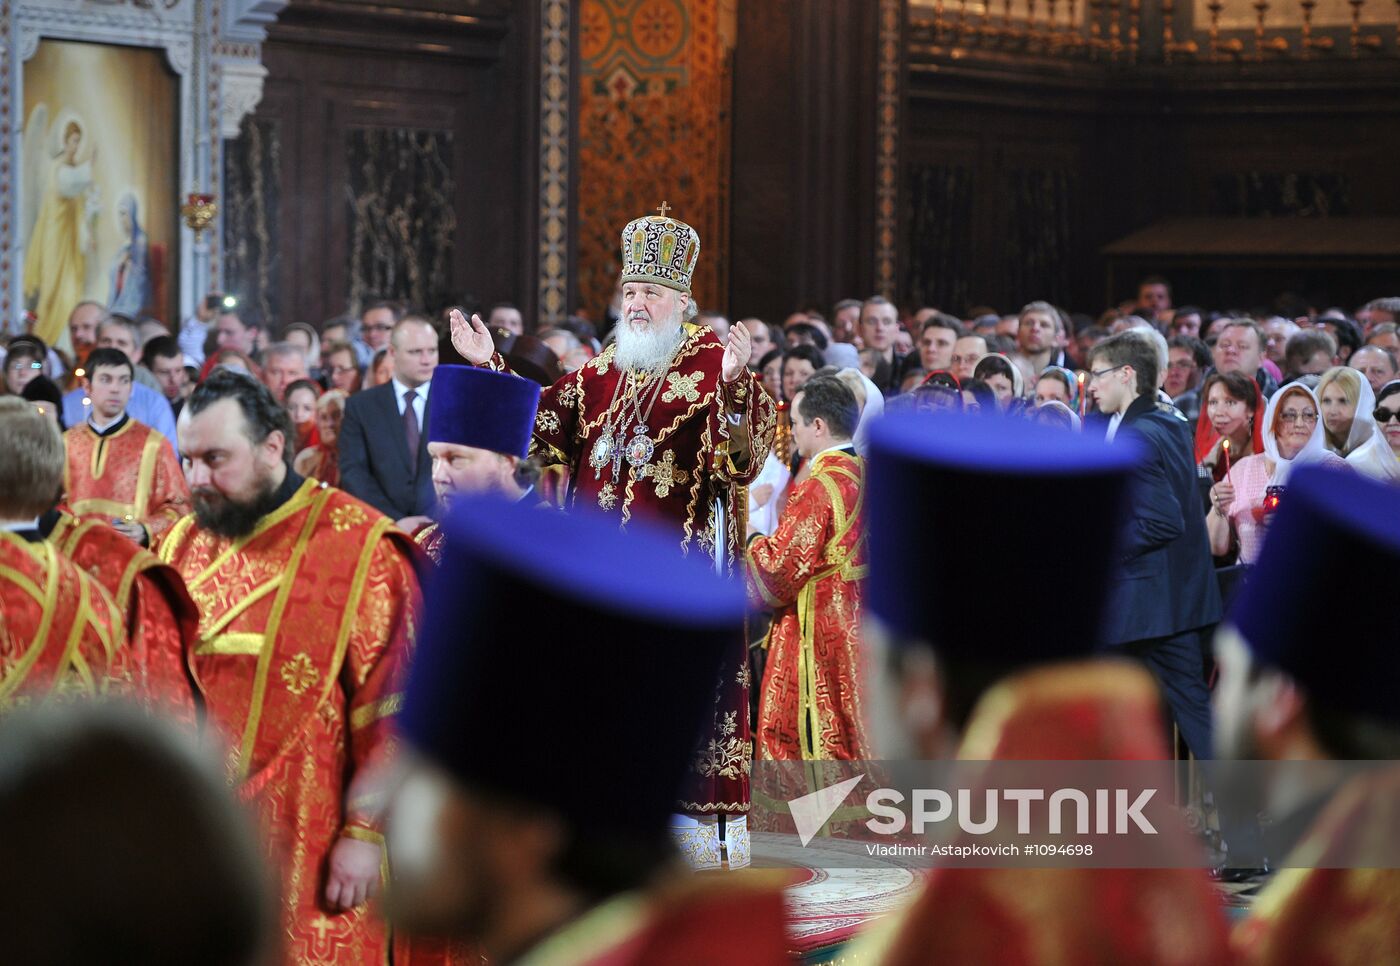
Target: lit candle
[
  {"x": 1083, "y": 398},
  {"x": 1225, "y": 449}
]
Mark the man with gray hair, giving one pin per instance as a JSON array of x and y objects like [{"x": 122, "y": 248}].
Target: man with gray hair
[{"x": 283, "y": 364}]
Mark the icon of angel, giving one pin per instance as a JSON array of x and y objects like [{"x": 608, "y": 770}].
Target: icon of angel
[{"x": 60, "y": 214}]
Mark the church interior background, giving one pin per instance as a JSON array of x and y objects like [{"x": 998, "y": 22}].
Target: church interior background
[{"x": 942, "y": 152}]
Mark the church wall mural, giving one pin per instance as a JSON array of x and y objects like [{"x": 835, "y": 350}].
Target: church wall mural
[
  {"x": 653, "y": 127},
  {"x": 100, "y": 182}
]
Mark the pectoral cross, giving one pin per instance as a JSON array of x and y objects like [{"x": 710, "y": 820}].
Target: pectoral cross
[{"x": 663, "y": 209}]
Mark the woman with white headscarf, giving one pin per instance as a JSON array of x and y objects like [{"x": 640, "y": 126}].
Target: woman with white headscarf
[
  {"x": 1003, "y": 376},
  {"x": 1346, "y": 400},
  {"x": 1379, "y": 456},
  {"x": 870, "y": 400},
  {"x": 1253, "y": 487}
]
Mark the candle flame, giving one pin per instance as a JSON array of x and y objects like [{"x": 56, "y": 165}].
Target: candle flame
[{"x": 1225, "y": 444}]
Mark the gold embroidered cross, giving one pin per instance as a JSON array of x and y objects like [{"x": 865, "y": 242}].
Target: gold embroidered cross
[
  {"x": 320, "y": 926},
  {"x": 664, "y": 474},
  {"x": 663, "y": 209},
  {"x": 679, "y": 386},
  {"x": 299, "y": 673}
]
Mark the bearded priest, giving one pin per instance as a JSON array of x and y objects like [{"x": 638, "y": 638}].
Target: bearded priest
[
  {"x": 307, "y": 602},
  {"x": 668, "y": 424}
]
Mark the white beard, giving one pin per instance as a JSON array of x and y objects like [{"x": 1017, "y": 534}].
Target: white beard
[{"x": 645, "y": 346}]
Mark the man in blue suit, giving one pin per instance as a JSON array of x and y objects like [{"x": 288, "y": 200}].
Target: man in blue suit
[
  {"x": 383, "y": 444},
  {"x": 1163, "y": 592}
]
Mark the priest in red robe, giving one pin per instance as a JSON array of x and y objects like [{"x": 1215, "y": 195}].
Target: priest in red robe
[
  {"x": 1016, "y": 686},
  {"x": 1305, "y": 683},
  {"x": 61, "y": 636},
  {"x": 668, "y": 425},
  {"x": 121, "y": 471},
  {"x": 307, "y": 602},
  {"x": 160, "y": 618},
  {"x": 811, "y": 572},
  {"x": 479, "y": 429},
  {"x": 562, "y": 858}
]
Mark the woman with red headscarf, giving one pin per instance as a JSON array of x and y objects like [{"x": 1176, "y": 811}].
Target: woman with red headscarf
[{"x": 1231, "y": 408}]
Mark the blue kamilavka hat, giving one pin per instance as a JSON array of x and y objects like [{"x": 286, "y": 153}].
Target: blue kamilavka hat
[
  {"x": 967, "y": 548},
  {"x": 481, "y": 408},
  {"x": 569, "y": 664},
  {"x": 1318, "y": 604}
]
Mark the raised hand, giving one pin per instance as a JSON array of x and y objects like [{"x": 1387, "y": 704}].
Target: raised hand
[
  {"x": 471, "y": 339},
  {"x": 736, "y": 353}
]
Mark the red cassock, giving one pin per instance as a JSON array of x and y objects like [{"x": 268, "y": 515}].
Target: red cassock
[
  {"x": 736, "y": 918},
  {"x": 1313, "y": 916},
  {"x": 61, "y": 636},
  {"x": 1018, "y": 917},
  {"x": 305, "y": 628},
  {"x": 160, "y": 618},
  {"x": 810, "y": 571},
  {"x": 689, "y": 476},
  {"x": 131, "y": 473}
]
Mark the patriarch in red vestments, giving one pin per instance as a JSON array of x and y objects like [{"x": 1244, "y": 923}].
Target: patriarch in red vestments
[
  {"x": 945, "y": 684},
  {"x": 119, "y": 470},
  {"x": 566, "y": 858},
  {"x": 810, "y": 571},
  {"x": 1299, "y": 682},
  {"x": 669, "y": 425},
  {"x": 307, "y": 602},
  {"x": 60, "y": 633}
]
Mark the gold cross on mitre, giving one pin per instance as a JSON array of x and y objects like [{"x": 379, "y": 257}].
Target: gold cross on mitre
[{"x": 663, "y": 208}]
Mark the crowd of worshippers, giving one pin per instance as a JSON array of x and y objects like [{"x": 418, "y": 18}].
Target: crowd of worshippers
[{"x": 1222, "y": 370}]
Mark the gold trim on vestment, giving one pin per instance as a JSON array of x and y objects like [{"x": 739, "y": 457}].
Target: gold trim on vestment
[
  {"x": 255, "y": 705},
  {"x": 592, "y": 934},
  {"x": 237, "y": 610},
  {"x": 808, "y": 714},
  {"x": 298, "y": 502},
  {"x": 75, "y": 635},
  {"x": 146, "y": 475},
  {"x": 98, "y": 463},
  {"x": 237, "y": 644},
  {"x": 362, "y": 834},
  {"x": 101, "y": 505},
  {"x": 370, "y": 713},
  {"x": 25, "y": 664}
]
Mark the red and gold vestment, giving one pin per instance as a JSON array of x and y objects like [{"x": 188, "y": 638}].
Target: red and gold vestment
[
  {"x": 160, "y": 618},
  {"x": 61, "y": 636},
  {"x": 305, "y": 628},
  {"x": 735, "y": 919},
  {"x": 1310, "y": 915},
  {"x": 1082, "y": 711},
  {"x": 692, "y": 480},
  {"x": 810, "y": 572},
  {"x": 130, "y": 473}
]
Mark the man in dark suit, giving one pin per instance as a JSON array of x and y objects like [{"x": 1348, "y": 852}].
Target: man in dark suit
[
  {"x": 383, "y": 448},
  {"x": 1163, "y": 592}
]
